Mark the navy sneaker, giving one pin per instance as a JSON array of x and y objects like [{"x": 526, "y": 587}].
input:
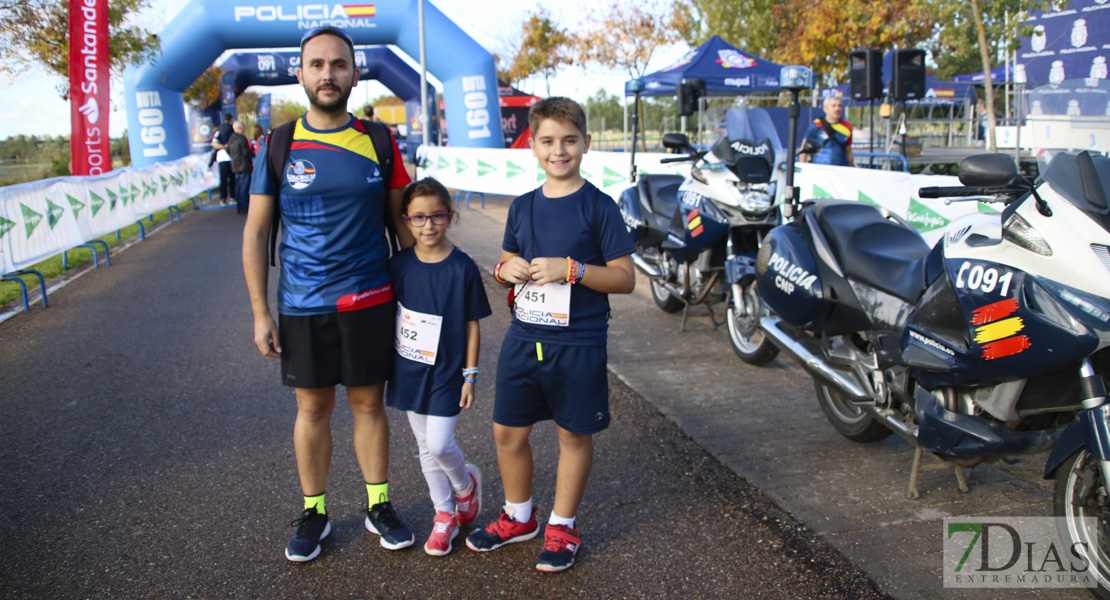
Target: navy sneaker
[
  {"x": 502, "y": 531},
  {"x": 383, "y": 520},
  {"x": 560, "y": 544},
  {"x": 311, "y": 528}
]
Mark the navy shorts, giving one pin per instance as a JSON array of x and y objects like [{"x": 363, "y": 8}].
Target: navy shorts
[
  {"x": 570, "y": 385},
  {"x": 353, "y": 348}
]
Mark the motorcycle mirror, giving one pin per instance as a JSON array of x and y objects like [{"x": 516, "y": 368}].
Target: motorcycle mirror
[
  {"x": 1093, "y": 191},
  {"x": 988, "y": 171}
]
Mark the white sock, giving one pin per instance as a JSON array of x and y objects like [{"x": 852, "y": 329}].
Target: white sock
[
  {"x": 564, "y": 521},
  {"x": 521, "y": 513}
]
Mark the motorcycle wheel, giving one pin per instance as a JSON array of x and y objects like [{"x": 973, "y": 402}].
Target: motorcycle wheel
[
  {"x": 748, "y": 342},
  {"x": 848, "y": 419},
  {"x": 664, "y": 299},
  {"x": 1080, "y": 491}
]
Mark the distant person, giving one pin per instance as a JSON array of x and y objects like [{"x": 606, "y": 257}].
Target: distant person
[
  {"x": 242, "y": 159},
  {"x": 829, "y": 139},
  {"x": 434, "y": 380},
  {"x": 565, "y": 249},
  {"x": 223, "y": 159},
  {"x": 368, "y": 112},
  {"x": 256, "y": 138},
  {"x": 336, "y": 312},
  {"x": 981, "y": 130}
]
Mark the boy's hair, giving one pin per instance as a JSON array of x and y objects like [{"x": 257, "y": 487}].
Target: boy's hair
[
  {"x": 429, "y": 186},
  {"x": 560, "y": 109}
]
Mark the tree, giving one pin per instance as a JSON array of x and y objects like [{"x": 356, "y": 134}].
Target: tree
[
  {"x": 749, "y": 24},
  {"x": 205, "y": 91},
  {"x": 626, "y": 37},
  {"x": 37, "y": 32},
  {"x": 544, "y": 48},
  {"x": 283, "y": 111}
]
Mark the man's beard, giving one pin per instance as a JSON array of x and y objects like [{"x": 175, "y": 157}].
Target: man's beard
[{"x": 336, "y": 106}]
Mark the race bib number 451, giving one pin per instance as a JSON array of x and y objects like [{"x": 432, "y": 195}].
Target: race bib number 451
[
  {"x": 547, "y": 304},
  {"x": 416, "y": 335}
]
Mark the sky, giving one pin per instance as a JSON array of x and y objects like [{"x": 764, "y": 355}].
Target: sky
[{"x": 29, "y": 102}]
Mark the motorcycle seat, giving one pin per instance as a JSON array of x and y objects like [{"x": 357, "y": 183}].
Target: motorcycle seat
[
  {"x": 873, "y": 249},
  {"x": 661, "y": 194}
]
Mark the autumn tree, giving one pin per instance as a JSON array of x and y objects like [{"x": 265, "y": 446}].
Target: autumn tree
[
  {"x": 205, "y": 91},
  {"x": 748, "y": 24},
  {"x": 624, "y": 38},
  {"x": 544, "y": 48},
  {"x": 37, "y": 32},
  {"x": 283, "y": 111}
]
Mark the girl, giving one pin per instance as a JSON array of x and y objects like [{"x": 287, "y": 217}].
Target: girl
[{"x": 440, "y": 298}]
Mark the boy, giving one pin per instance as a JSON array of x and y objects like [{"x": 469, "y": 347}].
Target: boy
[{"x": 565, "y": 249}]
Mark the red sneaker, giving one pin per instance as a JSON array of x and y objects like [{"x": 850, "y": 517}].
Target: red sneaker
[
  {"x": 468, "y": 506},
  {"x": 444, "y": 529},
  {"x": 502, "y": 531},
  {"x": 560, "y": 544}
]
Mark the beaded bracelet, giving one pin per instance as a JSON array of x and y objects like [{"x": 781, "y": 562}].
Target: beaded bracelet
[
  {"x": 469, "y": 380},
  {"x": 470, "y": 371},
  {"x": 570, "y": 270}
]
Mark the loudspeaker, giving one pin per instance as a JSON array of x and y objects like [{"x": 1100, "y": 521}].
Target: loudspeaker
[
  {"x": 866, "y": 70},
  {"x": 909, "y": 74},
  {"x": 688, "y": 93}
]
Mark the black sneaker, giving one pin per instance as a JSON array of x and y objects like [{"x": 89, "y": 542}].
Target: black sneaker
[
  {"x": 311, "y": 528},
  {"x": 383, "y": 520}
]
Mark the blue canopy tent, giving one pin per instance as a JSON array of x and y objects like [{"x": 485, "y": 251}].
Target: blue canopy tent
[
  {"x": 726, "y": 70},
  {"x": 998, "y": 75}
]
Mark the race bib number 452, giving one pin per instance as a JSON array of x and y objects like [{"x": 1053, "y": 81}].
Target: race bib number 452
[{"x": 416, "y": 335}]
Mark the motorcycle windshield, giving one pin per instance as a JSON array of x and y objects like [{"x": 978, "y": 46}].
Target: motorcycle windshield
[
  {"x": 747, "y": 160},
  {"x": 1064, "y": 119}
]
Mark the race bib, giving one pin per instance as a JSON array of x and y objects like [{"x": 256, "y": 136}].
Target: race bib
[
  {"x": 547, "y": 304},
  {"x": 416, "y": 336}
]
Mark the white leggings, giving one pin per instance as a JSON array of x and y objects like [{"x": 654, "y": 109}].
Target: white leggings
[{"x": 440, "y": 458}]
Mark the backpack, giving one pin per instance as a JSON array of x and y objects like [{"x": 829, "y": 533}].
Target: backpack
[{"x": 281, "y": 139}]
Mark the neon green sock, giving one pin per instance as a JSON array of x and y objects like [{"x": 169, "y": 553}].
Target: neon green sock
[
  {"x": 377, "y": 493},
  {"x": 315, "y": 501}
]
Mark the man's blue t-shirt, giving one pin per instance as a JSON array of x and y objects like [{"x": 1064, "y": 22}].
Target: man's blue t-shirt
[
  {"x": 832, "y": 153},
  {"x": 333, "y": 247},
  {"x": 566, "y": 226},
  {"x": 452, "y": 289}
]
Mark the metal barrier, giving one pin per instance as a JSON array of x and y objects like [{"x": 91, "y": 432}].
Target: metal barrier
[{"x": 887, "y": 158}]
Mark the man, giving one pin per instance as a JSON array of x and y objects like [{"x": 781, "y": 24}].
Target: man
[
  {"x": 335, "y": 303},
  {"x": 221, "y": 156},
  {"x": 242, "y": 157},
  {"x": 829, "y": 138}
]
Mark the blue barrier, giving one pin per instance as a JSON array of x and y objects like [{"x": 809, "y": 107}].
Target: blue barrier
[
  {"x": 14, "y": 276},
  {"x": 881, "y": 156},
  {"x": 90, "y": 246},
  {"x": 467, "y": 197}
]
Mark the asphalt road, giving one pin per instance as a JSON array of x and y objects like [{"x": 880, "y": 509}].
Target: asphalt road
[{"x": 146, "y": 453}]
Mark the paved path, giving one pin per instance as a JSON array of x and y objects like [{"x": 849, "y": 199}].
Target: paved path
[
  {"x": 765, "y": 424},
  {"x": 146, "y": 453}
]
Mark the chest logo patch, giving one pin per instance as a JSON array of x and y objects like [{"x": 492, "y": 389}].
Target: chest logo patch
[{"x": 300, "y": 174}]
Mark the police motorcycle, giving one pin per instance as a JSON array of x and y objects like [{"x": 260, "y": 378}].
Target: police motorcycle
[
  {"x": 697, "y": 236},
  {"x": 992, "y": 343}
]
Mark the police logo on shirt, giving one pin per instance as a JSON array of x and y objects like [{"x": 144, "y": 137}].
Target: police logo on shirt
[{"x": 300, "y": 174}]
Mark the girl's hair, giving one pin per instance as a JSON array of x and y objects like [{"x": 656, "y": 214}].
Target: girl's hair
[
  {"x": 256, "y": 131},
  {"x": 428, "y": 186}
]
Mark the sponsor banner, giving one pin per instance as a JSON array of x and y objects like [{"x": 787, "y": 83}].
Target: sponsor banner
[
  {"x": 514, "y": 172},
  {"x": 894, "y": 190},
  {"x": 88, "y": 86},
  {"x": 43, "y": 218}
]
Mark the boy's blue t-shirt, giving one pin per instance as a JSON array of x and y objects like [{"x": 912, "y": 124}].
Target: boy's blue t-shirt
[
  {"x": 333, "y": 247},
  {"x": 566, "y": 227},
  {"x": 452, "y": 289}
]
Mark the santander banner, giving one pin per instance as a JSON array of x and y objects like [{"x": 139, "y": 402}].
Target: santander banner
[{"x": 88, "y": 86}]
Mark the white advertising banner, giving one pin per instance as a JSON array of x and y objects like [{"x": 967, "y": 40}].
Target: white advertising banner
[
  {"x": 515, "y": 172},
  {"x": 895, "y": 190},
  {"x": 43, "y": 218}
]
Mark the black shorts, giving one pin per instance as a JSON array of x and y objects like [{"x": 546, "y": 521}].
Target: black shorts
[
  {"x": 569, "y": 384},
  {"x": 352, "y": 348}
]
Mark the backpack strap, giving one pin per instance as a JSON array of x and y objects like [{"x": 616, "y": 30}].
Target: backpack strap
[
  {"x": 829, "y": 131},
  {"x": 382, "y": 140},
  {"x": 280, "y": 139}
]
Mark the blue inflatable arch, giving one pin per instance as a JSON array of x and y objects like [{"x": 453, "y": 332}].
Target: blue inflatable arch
[{"x": 204, "y": 29}]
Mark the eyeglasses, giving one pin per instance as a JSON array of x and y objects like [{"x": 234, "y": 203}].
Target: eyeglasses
[
  {"x": 421, "y": 220},
  {"x": 311, "y": 33}
]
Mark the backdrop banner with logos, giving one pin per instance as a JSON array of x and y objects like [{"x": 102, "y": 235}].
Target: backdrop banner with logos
[
  {"x": 43, "y": 218},
  {"x": 1071, "y": 40}
]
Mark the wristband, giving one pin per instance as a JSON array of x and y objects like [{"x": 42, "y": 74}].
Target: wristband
[
  {"x": 581, "y": 272},
  {"x": 497, "y": 273},
  {"x": 570, "y": 270},
  {"x": 469, "y": 380},
  {"x": 470, "y": 371}
]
